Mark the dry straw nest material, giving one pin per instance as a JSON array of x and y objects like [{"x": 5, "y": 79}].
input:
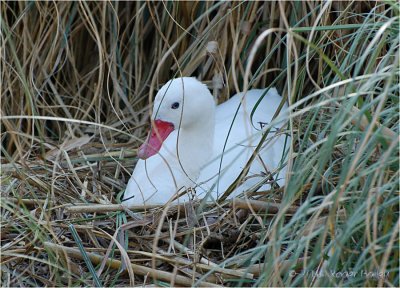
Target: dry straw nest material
[{"x": 77, "y": 79}]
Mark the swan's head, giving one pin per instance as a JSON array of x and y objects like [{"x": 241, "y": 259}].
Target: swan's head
[{"x": 182, "y": 103}]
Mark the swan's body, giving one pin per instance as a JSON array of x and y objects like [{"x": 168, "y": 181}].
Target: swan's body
[{"x": 186, "y": 143}]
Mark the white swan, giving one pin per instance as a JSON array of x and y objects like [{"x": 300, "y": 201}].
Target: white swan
[{"x": 187, "y": 139}]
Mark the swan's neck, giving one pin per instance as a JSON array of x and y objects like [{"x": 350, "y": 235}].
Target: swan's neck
[{"x": 195, "y": 146}]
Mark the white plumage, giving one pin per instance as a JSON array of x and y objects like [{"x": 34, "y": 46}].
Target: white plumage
[{"x": 187, "y": 140}]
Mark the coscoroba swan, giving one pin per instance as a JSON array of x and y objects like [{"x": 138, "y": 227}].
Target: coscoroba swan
[{"x": 194, "y": 143}]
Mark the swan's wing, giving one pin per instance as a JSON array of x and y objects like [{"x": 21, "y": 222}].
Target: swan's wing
[{"x": 233, "y": 149}]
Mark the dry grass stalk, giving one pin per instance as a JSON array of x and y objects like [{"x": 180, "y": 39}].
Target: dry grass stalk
[{"x": 116, "y": 264}]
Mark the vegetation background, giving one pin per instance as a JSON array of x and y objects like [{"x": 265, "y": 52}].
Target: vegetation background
[{"x": 76, "y": 83}]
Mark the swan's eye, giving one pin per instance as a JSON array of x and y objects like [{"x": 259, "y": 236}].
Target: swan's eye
[{"x": 175, "y": 105}]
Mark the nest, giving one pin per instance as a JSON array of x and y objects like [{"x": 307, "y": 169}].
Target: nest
[{"x": 60, "y": 212}]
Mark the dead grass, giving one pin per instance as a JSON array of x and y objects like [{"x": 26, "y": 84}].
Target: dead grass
[{"x": 77, "y": 80}]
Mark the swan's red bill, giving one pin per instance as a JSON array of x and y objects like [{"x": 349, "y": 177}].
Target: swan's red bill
[{"x": 159, "y": 132}]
